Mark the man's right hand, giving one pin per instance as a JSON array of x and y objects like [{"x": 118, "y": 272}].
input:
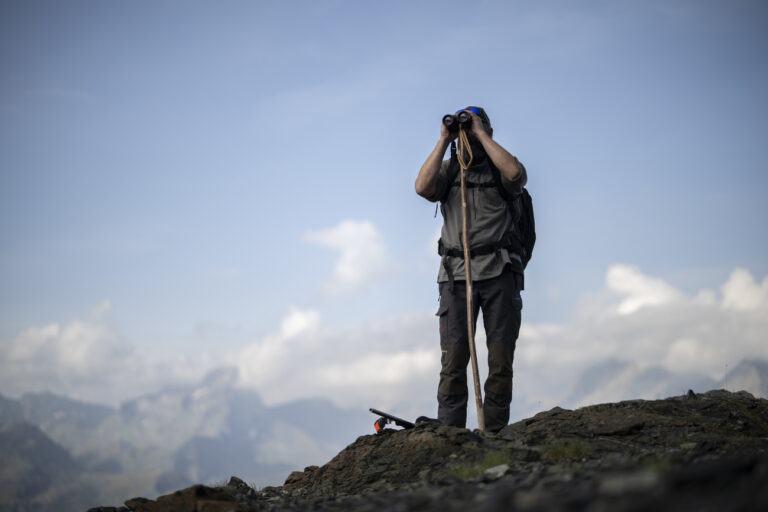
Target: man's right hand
[{"x": 446, "y": 134}]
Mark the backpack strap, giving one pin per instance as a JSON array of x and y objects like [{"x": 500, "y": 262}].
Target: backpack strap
[
  {"x": 453, "y": 170},
  {"x": 522, "y": 210},
  {"x": 508, "y": 241}
]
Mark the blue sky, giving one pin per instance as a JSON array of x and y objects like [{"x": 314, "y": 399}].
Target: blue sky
[{"x": 186, "y": 174}]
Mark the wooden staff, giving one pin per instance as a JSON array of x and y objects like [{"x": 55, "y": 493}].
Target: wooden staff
[{"x": 464, "y": 146}]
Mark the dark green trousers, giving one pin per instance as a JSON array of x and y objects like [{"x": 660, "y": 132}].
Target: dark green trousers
[{"x": 501, "y": 304}]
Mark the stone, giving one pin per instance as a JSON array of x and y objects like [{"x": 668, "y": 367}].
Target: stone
[{"x": 495, "y": 472}]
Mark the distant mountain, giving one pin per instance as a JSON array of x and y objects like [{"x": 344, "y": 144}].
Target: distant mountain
[
  {"x": 66, "y": 420},
  {"x": 188, "y": 426},
  {"x": 622, "y": 456},
  {"x": 10, "y": 411},
  {"x": 267, "y": 443},
  {"x": 177, "y": 436},
  {"x": 319, "y": 415},
  {"x": 28, "y": 445},
  {"x": 750, "y": 375},
  {"x": 54, "y": 410},
  {"x": 613, "y": 380},
  {"x": 207, "y": 432},
  {"x": 206, "y": 459},
  {"x": 37, "y": 473}
]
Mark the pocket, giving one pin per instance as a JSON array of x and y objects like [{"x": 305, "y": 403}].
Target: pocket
[
  {"x": 514, "y": 284},
  {"x": 441, "y": 313}
]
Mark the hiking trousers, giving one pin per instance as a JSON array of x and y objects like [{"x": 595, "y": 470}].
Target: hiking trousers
[{"x": 501, "y": 304}]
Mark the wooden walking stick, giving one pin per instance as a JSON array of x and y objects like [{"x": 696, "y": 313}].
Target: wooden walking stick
[{"x": 464, "y": 146}]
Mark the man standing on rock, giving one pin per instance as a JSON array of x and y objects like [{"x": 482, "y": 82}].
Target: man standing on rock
[{"x": 496, "y": 267}]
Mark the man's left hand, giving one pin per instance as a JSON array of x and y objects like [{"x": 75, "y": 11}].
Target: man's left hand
[{"x": 477, "y": 128}]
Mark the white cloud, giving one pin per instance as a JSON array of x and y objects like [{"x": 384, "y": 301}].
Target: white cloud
[
  {"x": 742, "y": 293},
  {"x": 644, "y": 321},
  {"x": 299, "y": 321},
  {"x": 382, "y": 363},
  {"x": 380, "y": 368},
  {"x": 636, "y": 319},
  {"x": 362, "y": 253},
  {"x": 692, "y": 354},
  {"x": 638, "y": 290},
  {"x": 274, "y": 357},
  {"x": 88, "y": 361},
  {"x": 73, "y": 350}
]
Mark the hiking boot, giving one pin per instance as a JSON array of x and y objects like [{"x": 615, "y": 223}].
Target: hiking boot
[{"x": 427, "y": 421}]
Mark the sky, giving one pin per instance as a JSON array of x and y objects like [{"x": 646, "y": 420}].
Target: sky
[{"x": 189, "y": 185}]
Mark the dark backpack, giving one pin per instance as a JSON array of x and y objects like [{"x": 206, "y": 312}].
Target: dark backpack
[{"x": 521, "y": 206}]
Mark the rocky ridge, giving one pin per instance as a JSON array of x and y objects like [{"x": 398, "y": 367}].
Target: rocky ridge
[{"x": 705, "y": 452}]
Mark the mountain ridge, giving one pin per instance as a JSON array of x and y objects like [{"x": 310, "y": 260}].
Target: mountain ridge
[
  {"x": 704, "y": 451},
  {"x": 169, "y": 439},
  {"x": 157, "y": 442}
]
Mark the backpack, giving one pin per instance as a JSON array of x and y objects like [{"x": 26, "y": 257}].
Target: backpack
[{"x": 521, "y": 205}]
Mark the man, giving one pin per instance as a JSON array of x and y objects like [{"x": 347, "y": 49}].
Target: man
[{"x": 496, "y": 268}]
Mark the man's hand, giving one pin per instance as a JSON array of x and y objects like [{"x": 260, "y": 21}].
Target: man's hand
[
  {"x": 446, "y": 134},
  {"x": 477, "y": 127},
  {"x": 507, "y": 164}
]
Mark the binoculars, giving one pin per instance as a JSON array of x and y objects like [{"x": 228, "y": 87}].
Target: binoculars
[{"x": 453, "y": 121}]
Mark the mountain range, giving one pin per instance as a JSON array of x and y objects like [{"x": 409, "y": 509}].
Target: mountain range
[
  {"x": 696, "y": 451},
  {"x": 62, "y": 454},
  {"x": 160, "y": 441}
]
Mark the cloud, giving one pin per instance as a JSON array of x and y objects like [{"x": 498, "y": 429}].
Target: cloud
[
  {"x": 742, "y": 293},
  {"x": 362, "y": 254},
  {"x": 76, "y": 348},
  {"x": 638, "y": 290},
  {"x": 648, "y": 323},
  {"x": 642, "y": 323},
  {"x": 380, "y": 369},
  {"x": 88, "y": 360},
  {"x": 386, "y": 361},
  {"x": 274, "y": 358}
]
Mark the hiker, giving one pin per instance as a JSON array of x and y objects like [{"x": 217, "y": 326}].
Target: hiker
[{"x": 496, "y": 266}]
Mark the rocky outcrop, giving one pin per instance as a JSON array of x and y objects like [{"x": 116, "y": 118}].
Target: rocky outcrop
[{"x": 702, "y": 452}]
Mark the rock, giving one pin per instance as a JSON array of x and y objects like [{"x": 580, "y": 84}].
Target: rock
[
  {"x": 495, "y": 472},
  {"x": 195, "y": 498},
  {"x": 136, "y": 503}
]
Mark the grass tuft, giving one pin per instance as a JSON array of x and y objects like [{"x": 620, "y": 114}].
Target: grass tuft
[
  {"x": 472, "y": 471},
  {"x": 563, "y": 449}
]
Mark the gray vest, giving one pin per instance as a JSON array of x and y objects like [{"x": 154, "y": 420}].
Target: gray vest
[{"x": 489, "y": 219}]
